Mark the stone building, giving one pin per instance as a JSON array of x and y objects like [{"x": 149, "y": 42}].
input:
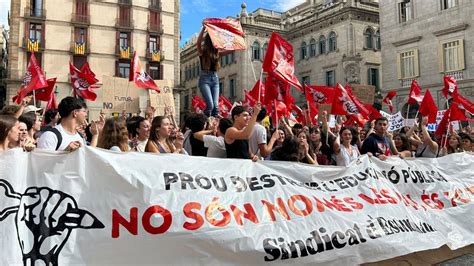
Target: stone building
[
  {"x": 425, "y": 40},
  {"x": 3, "y": 63},
  {"x": 333, "y": 41},
  {"x": 104, "y": 33}
]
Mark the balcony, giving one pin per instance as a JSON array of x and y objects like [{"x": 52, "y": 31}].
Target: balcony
[
  {"x": 81, "y": 19},
  {"x": 80, "y": 48},
  {"x": 405, "y": 83},
  {"x": 124, "y": 23},
  {"x": 155, "y": 5},
  {"x": 32, "y": 45},
  {"x": 458, "y": 75},
  {"x": 155, "y": 56},
  {"x": 155, "y": 28},
  {"x": 35, "y": 14},
  {"x": 125, "y": 2},
  {"x": 124, "y": 52}
]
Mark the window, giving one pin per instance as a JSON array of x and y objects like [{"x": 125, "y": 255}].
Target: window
[
  {"x": 232, "y": 92},
  {"x": 330, "y": 78},
  {"x": 312, "y": 48},
  {"x": 368, "y": 36},
  {"x": 256, "y": 51},
  {"x": 452, "y": 56},
  {"x": 303, "y": 50},
  {"x": 80, "y": 35},
  {"x": 264, "y": 50},
  {"x": 36, "y": 7},
  {"x": 222, "y": 61},
  {"x": 124, "y": 69},
  {"x": 332, "y": 43},
  {"x": 35, "y": 32},
  {"x": 378, "y": 44},
  {"x": 153, "y": 44},
  {"x": 123, "y": 40},
  {"x": 221, "y": 87},
  {"x": 186, "y": 102},
  {"x": 154, "y": 18},
  {"x": 306, "y": 80},
  {"x": 373, "y": 77},
  {"x": 79, "y": 61},
  {"x": 154, "y": 71},
  {"x": 445, "y": 4},
  {"x": 322, "y": 45},
  {"x": 81, "y": 8},
  {"x": 405, "y": 10},
  {"x": 232, "y": 57},
  {"x": 408, "y": 64}
]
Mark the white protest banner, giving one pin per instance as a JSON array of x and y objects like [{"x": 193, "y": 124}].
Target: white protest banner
[
  {"x": 98, "y": 207},
  {"x": 395, "y": 122}
]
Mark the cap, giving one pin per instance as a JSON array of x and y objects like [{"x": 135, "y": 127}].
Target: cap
[{"x": 31, "y": 108}]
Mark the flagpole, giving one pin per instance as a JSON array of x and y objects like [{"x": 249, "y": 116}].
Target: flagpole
[
  {"x": 449, "y": 124},
  {"x": 408, "y": 110},
  {"x": 260, "y": 84},
  {"x": 126, "y": 99},
  {"x": 34, "y": 98},
  {"x": 253, "y": 70},
  {"x": 276, "y": 114}
]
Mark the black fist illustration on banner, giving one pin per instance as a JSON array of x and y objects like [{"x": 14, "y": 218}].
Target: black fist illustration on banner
[{"x": 44, "y": 221}]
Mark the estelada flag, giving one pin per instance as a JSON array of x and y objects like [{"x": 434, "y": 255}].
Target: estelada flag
[
  {"x": 388, "y": 99},
  {"x": 80, "y": 85},
  {"x": 34, "y": 79},
  {"x": 45, "y": 94},
  {"x": 428, "y": 107},
  {"x": 279, "y": 61},
  {"x": 415, "y": 93},
  {"x": 139, "y": 76},
  {"x": 226, "y": 34}
]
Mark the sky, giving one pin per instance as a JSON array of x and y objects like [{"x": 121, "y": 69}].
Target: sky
[
  {"x": 4, "y": 8},
  {"x": 193, "y": 12}
]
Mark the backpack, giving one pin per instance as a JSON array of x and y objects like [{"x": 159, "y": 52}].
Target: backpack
[{"x": 58, "y": 136}]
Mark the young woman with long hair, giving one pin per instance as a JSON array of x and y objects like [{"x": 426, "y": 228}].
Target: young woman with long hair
[
  {"x": 114, "y": 135},
  {"x": 9, "y": 131},
  {"x": 403, "y": 145},
  {"x": 344, "y": 147},
  {"x": 159, "y": 140}
]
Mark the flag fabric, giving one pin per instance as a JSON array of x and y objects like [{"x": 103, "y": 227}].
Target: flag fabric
[
  {"x": 279, "y": 61},
  {"x": 296, "y": 114},
  {"x": 225, "y": 106},
  {"x": 45, "y": 94},
  {"x": 457, "y": 113},
  {"x": 198, "y": 103},
  {"x": 276, "y": 89},
  {"x": 87, "y": 74},
  {"x": 464, "y": 103},
  {"x": 277, "y": 110},
  {"x": 450, "y": 86},
  {"x": 255, "y": 90},
  {"x": 415, "y": 93},
  {"x": 139, "y": 76},
  {"x": 428, "y": 107},
  {"x": 388, "y": 99},
  {"x": 454, "y": 113},
  {"x": 81, "y": 85},
  {"x": 443, "y": 124},
  {"x": 320, "y": 94},
  {"x": 248, "y": 99},
  {"x": 226, "y": 34},
  {"x": 52, "y": 103},
  {"x": 343, "y": 104},
  {"x": 34, "y": 79}
]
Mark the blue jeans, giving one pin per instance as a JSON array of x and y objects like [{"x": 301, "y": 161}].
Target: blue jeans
[{"x": 209, "y": 87}]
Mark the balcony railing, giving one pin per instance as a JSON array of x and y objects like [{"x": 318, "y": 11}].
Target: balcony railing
[
  {"x": 155, "y": 56},
  {"x": 405, "y": 83},
  {"x": 154, "y": 5},
  {"x": 124, "y": 52},
  {"x": 79, "y": 48},
  {"x": 35, "y": 13},
  {"x": 124, "y": 23},
  {"x": 458, "y": 75},
  {"x": 81, "y": 19},
  {"x": 157, "y": 28},
  {"x": 32, "y": 45},
  {"x": 125, "y": 2}
]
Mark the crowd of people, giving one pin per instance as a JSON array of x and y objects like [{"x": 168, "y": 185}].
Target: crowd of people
[{"x": 242, "y": 135}]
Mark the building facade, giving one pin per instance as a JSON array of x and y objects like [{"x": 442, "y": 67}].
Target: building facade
[
  {"x": 333, "y": 41},
  {"x": 103, "y": 33},
  {"x": 3, "y": 64},
  {"x": 425, "y": 40}
]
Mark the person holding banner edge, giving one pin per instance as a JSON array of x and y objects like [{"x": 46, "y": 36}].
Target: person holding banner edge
[{"x": 209, "y": 58}]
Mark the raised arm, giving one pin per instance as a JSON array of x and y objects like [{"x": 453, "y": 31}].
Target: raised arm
[
  {"x": 199, "y": 41},
  {"x": 234, "y": 134}
]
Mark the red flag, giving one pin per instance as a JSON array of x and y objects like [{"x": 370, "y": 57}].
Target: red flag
[
  {"x": 198, "y": 103},
  {"x": 276, "y": 89},
  {"x": 443, "y": 124},
  {"x": 355, "y": 119},
  {"x": 373, "y": 113},
  {"x": 226, "y": 34},
  {"x": 320, "y": 94},
  {"x": 80, "y": 85},
  {"x": 139, "y": 76},
  {"x": 428, "y": 107},
  {"x": 296, "y": 114},
  {"x": 34, "y": 79},
  {"x": 465, "y": 103},
  {"x": 415, "y": 93},
  {"x": 456, "y": 112},
  {"x": 279, "y": 61},
  {"x": 225, "y": 106},
  {"x": 450, "y": 86},
  {"x": 44, "y": 94},
  {"x": 388, "y": 99},
  {"x": 52, "y": 103},
  {"x": 87, "y": 74},
  {"x": 248, "y": 99},
  {"x": 255, "y": 89},
  {"x": 280, "y": 110},
  {"x": 343, "y": 103}
]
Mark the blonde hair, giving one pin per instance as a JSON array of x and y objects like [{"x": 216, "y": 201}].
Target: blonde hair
[{"x": 114, "y": 133}]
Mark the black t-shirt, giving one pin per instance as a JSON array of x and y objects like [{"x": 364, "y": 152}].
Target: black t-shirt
[
  {"x": 376, "y": 145},
  {"x": 197, "y": 146},
  {"x": 213, "y": 66},
  {"x": 238, "y": 149}
]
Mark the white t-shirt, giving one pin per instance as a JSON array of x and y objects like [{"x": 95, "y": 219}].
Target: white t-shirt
[
  {"x": 215, "y": 146},
  {"x": 259, "y": 136},
  {"x": 141, "y": 145},
  {"x": 48, "y": 139},
  {"x": 344, "y": 158}
]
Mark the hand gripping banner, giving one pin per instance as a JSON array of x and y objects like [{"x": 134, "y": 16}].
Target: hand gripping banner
[{"x": 98, "y": 207}]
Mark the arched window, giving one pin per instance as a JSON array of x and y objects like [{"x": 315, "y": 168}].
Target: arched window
[
  {"x": 322, "y": 44},
  {"x": 368, "y": 34},
  {"x": 312, "y": 48},
  {"x": 332, "y": 42},
  {"x": 264, "y": 50},
  {"x": 378, "y": 43},
  {"x": 303, "y": 51},
  {"x": 256, "y": 51}
]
